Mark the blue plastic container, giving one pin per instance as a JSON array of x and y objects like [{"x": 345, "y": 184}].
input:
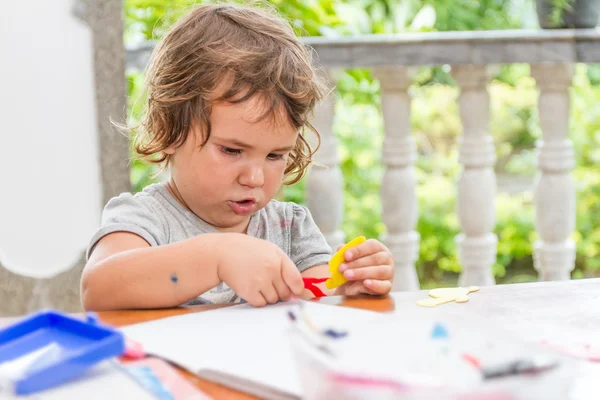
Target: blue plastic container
[{"x": 77, "y": 345}]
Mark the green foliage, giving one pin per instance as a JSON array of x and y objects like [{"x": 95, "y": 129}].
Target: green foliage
[
  {"x": 392, "y": 16},
  {"x": 466, "y": 15},
  {"x": 436, "y": 125},
  {"x": 309, "y": 18},
  {"x": 359, "y": 128},
  {"x": 558, "y": 10},
  {"x": 149, "y": 19},
  {"x": 585, "y": 119},
  {"x": 141, "y": 173},
  {"x": 585, "y": 133}
]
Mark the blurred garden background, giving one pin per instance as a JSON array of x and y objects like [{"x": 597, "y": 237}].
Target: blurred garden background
[{"x": 435, "y": 125}]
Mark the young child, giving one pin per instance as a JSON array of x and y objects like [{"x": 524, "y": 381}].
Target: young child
[{"x": 230, "y": 90}]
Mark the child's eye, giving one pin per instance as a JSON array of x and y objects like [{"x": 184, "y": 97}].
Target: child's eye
[
  {"x": 274, "y": 156},
  {"x": 229, "y": 151}
]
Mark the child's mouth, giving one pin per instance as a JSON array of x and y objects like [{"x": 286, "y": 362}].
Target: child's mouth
[{"x": 243, "y": 207}]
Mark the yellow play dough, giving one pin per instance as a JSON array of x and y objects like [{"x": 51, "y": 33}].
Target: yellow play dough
[
  {"x": 337, "y": 278},
  {"x": 431, "y": 302},
  {"x": 447, "y": 295}
]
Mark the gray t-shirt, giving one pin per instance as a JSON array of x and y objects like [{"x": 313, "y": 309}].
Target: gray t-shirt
[{"x": 156, "y": 216}]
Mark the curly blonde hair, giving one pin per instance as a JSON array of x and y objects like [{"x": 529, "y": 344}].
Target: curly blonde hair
[{"x": 252, "y": 48}]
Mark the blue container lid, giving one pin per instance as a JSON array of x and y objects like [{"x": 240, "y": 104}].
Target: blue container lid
[{"x": 66, "y": 346}]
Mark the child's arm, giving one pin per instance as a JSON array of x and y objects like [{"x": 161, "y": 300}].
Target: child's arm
[{"x": 124, "y": 271}]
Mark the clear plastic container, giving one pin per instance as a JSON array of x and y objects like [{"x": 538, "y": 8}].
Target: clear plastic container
[{"x": 400, "y": 360}]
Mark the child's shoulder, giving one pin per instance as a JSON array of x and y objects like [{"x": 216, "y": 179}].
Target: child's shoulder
[
  {"x": 285, "y": 207},
  {"x": 147, "y": 199},
  {"x": 286, "y": 210}
]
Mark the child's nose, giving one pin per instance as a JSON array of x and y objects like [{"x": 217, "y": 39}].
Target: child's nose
[{"x": 253, "y": 176}]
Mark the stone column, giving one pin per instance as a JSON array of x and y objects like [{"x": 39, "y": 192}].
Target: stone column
[
  {"x": 106, "y": 21},
  {"x": 399, "y": 202},
  {"x": 477, "y": 184},
  {"x": 324, "y": 185},
  {"x": 554, "y": 253}
]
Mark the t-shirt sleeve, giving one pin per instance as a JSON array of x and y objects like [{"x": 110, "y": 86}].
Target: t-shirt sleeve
[
  {"x": 128, "y": 213},
  {"x": 308, "y": 247}
]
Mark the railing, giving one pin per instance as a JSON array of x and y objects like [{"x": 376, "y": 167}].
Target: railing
[{"x": 551, "y": 54}]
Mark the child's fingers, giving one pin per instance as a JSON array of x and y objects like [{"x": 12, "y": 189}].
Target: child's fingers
[
  {"x": 339, "y": 247},
  {"x": 375, "y": 286},
  {"x": 256, "y": 300},
  {"x": 283, "y": 291},
  {"x": 292, "y": 277},
  {"x": 354, "y": 288},
  {"x": 380, "y": 272},
  {"x": 379, "y": 258},
  {"x": 270, "y": 294},
  {"x": 371, "y": 246}
]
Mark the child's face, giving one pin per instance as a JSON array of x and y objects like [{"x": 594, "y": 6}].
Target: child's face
[{"x": 241, "y": 167}]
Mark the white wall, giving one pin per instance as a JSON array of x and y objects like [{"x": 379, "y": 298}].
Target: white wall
[{"x": 50, "y": 188}]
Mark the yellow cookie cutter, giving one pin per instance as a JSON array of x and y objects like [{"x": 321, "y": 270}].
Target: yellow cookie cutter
[{"x": 337, "y": 278}]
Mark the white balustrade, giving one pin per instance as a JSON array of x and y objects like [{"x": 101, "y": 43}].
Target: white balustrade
[
  {"x": 477, "y": 184},
  {"x": 400, "y": 210},
  {"x": 324, "y": 184},
  {"x": 554, "y": 252}
]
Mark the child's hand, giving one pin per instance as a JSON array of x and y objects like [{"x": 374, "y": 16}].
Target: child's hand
[
  {"x": 369, "y": 269},
  {"x": 257, "y": 270}
]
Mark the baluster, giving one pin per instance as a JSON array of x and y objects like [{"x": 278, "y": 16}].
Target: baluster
[
  {"x": 398, "y": 198},
  {"x": 477, "y": 183},
  {"x": 324, "y": 185},
  {"x": 554, "y": 253}
]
